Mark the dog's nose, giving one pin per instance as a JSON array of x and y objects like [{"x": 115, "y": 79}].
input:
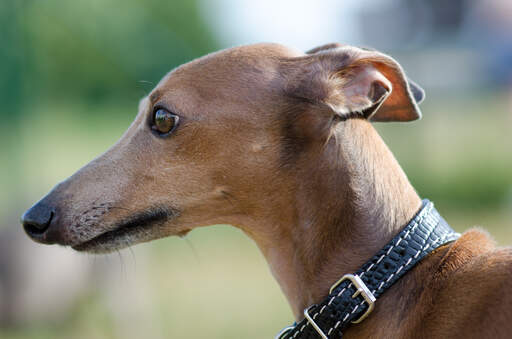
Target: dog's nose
[{"x": 37, "y": 220}]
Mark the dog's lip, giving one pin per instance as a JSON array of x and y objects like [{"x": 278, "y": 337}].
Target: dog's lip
[
  {"x": 134, "y": 225},
  {"x": 105, "y": 238}
]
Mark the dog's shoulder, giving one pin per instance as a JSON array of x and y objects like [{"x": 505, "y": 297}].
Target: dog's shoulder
[
  {"x": 472, "y": 286},
  {"x": 475, "y": 262},
  {"x": 475, "y": 256}
]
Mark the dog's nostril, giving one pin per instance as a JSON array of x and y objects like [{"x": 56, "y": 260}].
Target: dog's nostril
[
  {"x": 33, "y": 229},
  {"x": 37, "y": 220}
]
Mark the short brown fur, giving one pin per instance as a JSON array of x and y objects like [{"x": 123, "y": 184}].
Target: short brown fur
[{"x": 271, "y": 142}]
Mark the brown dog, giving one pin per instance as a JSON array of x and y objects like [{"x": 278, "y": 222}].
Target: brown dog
[{"x": 279, "y": 143}]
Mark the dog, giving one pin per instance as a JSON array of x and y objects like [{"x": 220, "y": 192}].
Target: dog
[{"x": 280, "y": 144}]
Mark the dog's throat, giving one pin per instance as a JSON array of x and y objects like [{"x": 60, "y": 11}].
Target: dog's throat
[{"x": 354, "y": 296}]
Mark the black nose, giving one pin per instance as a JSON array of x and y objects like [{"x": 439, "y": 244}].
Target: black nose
[{"x": 37, "y": 220}]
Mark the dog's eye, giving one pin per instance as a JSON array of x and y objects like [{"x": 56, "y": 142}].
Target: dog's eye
[{"x": 164, "y": 122}]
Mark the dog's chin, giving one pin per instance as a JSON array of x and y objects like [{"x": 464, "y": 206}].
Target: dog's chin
[{"x": 142, "y": 227}]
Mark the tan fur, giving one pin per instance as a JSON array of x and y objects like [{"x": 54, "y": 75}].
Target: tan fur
[{"x": 261, "y": 146}]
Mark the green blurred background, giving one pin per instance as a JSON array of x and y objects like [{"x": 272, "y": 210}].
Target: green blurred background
[{"x": 72, "y": 72}]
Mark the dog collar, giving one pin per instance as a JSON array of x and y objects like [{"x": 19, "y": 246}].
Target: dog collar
[{"x": 352, "y": 298}]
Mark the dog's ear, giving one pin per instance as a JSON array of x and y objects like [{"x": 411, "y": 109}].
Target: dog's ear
[
  {"x": 331, "y": 45},
  {"x": 351, "y": 80}
]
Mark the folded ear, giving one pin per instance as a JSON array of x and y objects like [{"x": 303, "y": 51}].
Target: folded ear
[{"x": 357, "y": 81}]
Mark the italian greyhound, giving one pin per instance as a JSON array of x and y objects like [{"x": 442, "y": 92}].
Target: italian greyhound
[{"x": 280, "y": 144}]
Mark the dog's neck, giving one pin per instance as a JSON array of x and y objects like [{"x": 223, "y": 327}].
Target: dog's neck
[{"x": 356, "y": 200}]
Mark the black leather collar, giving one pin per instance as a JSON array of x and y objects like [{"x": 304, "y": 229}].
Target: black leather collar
[{"x": 352, "y": 298}]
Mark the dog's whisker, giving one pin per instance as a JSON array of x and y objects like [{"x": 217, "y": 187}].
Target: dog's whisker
[
  {"x": 120, "y": 208},
  {"x": 146, "y": 82},
  {"x": 133, "y": 258},
  {"x": 124, "y": 274},
  {"x": 194, "y": 252}
]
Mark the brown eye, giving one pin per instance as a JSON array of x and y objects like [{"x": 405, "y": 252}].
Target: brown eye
[{"x": 164, "y": 122}]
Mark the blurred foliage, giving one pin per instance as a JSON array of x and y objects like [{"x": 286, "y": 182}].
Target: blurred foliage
[
  {"x": 93, "y": 50},
  {"x": 458, "y": 155}
]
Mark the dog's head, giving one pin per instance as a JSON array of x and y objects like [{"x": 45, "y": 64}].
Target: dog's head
[{"x": 223, "y": 139}]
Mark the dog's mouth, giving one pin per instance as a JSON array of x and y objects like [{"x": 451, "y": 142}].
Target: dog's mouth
[{"x": 137, "y": 228}]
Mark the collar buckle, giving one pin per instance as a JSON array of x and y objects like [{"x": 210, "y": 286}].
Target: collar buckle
[
  {"x": 313, "y": 323},
  {"x": 361, "y": 289}
]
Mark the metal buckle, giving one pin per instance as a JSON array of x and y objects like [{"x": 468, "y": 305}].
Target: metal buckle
[
  {"x": 283, "y": 332},
  {"x": 361, "y": 290},
  {"x": 312, "y": 322}
]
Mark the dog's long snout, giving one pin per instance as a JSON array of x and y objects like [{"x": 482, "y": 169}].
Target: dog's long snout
[{"x": 38, "y": 220}]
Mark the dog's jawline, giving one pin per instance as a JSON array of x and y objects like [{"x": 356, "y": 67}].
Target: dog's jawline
[{"x": 133, "y": 225}]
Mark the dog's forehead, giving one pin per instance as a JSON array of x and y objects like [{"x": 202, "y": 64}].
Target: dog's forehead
[
  {"x": 241, "y": 56},
  {"x": 239, "y": 71},
  {"x": 252, "y": 59}
]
